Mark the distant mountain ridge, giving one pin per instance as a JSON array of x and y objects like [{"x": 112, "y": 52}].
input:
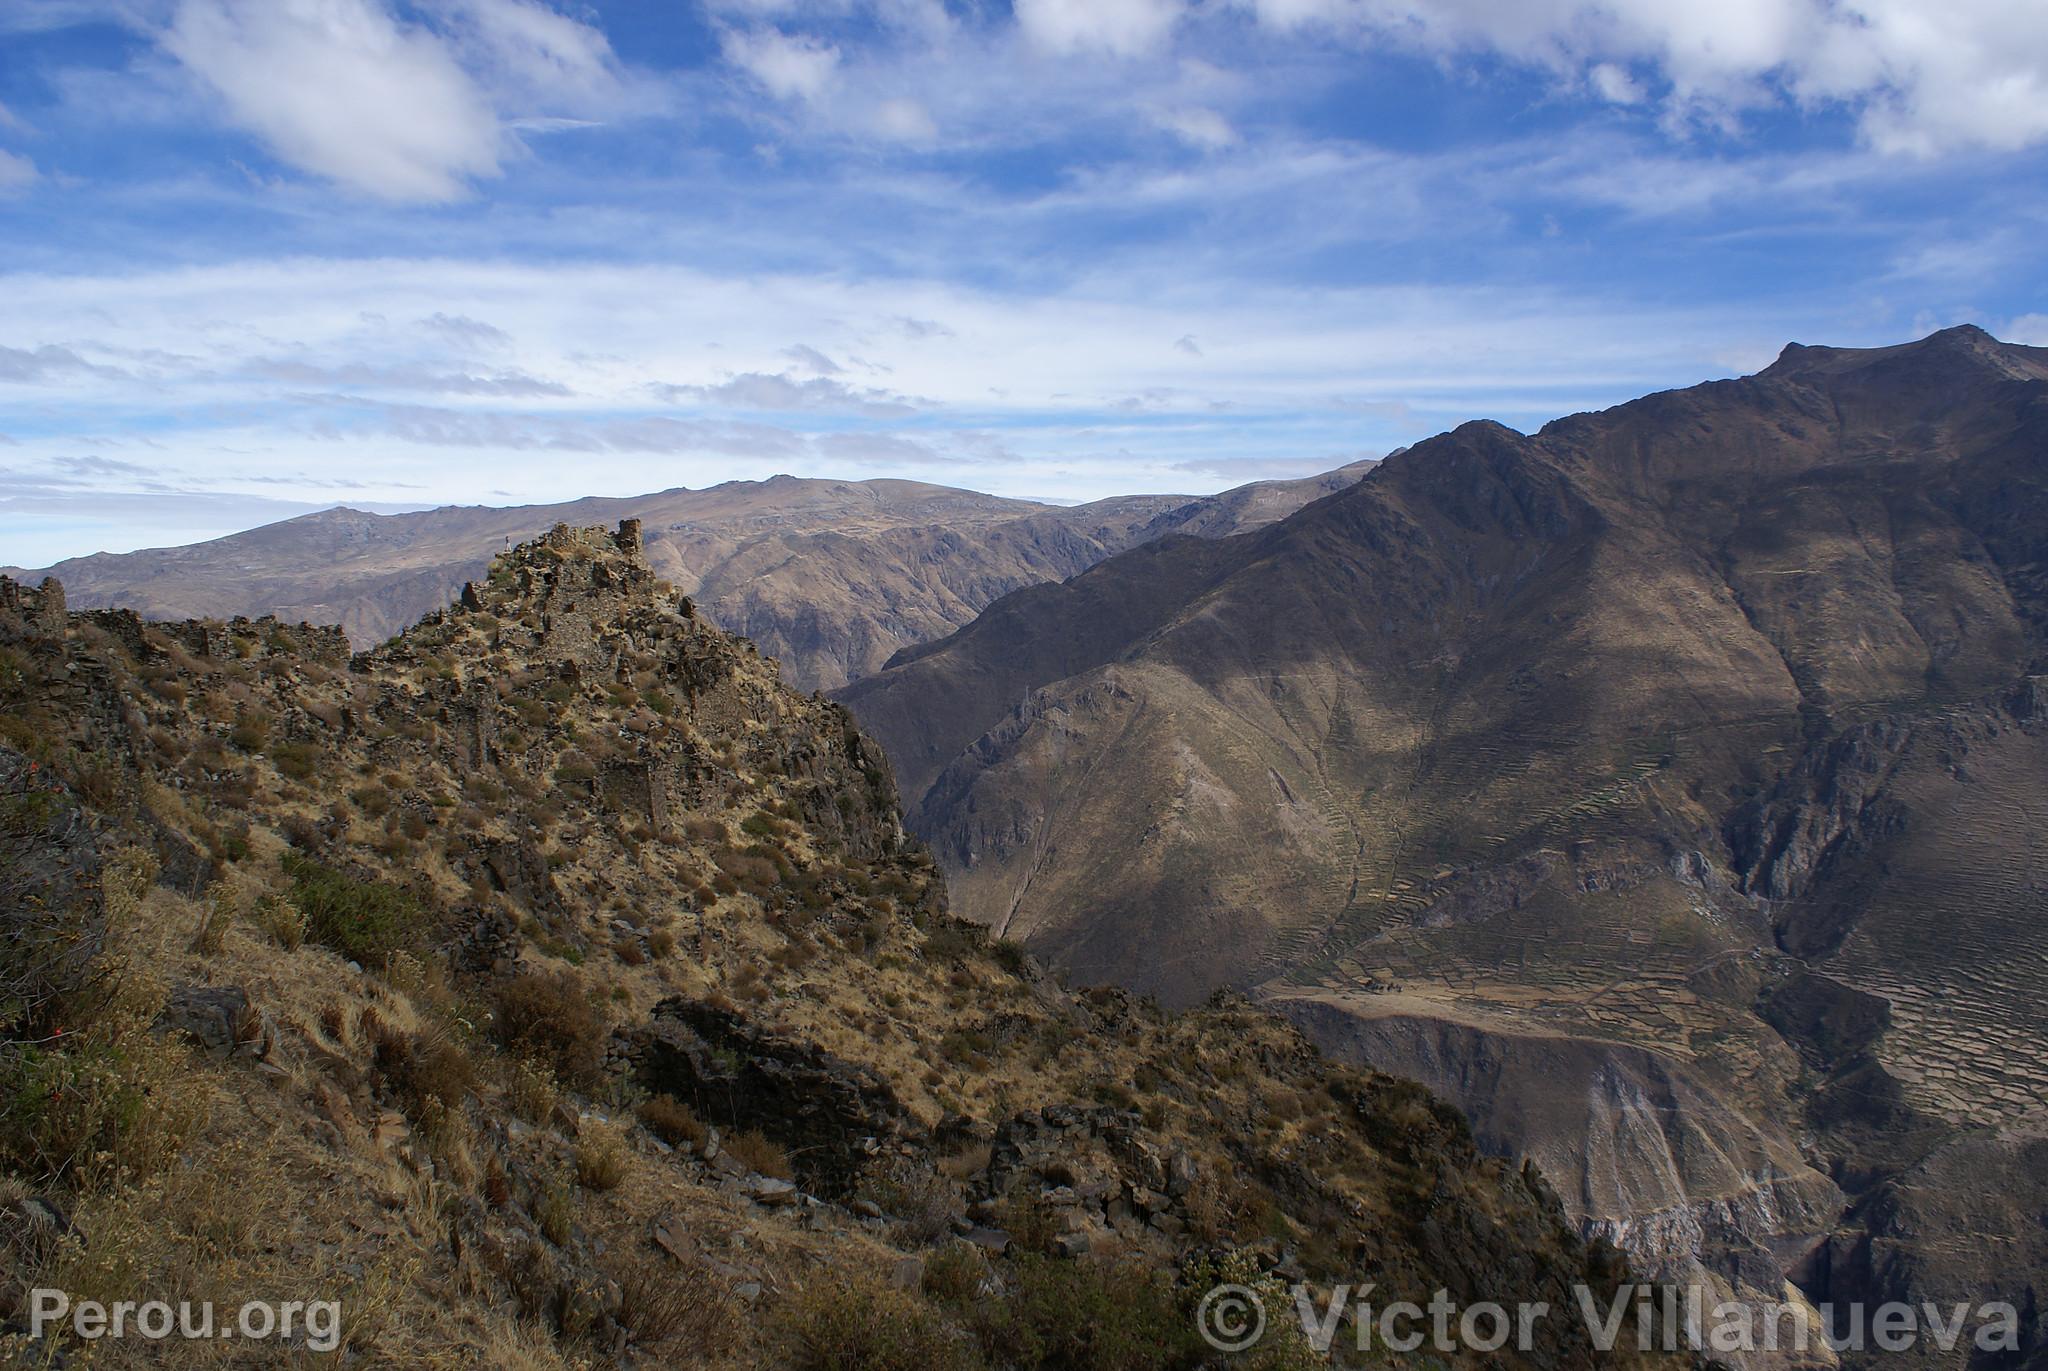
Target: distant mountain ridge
[
  {"x": 830, "y": 577},
  {"x": 1665, "y": 787}
]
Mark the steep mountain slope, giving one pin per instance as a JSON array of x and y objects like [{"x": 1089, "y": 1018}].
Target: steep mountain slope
[
  {"x": 552, "y": 986},
  {"x": 1644, "y": 755},
  {"x": 829, "y": 577}
]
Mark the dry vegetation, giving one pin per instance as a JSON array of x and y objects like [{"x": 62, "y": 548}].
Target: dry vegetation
[{"x": 366, "y": 972}]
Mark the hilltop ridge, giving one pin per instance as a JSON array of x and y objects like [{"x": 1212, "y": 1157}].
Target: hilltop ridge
[{"x": 557, "y": 986}]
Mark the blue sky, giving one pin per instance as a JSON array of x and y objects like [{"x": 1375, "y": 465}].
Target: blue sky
[{"x": 263, "y": 256}]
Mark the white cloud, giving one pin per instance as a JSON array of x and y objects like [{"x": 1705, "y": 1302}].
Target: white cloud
[
  {"x": 905, "y": 121},
  {"x": 757, "y": 391},
  {"x": 788, "y": 67},
  {"x": 2030, "y": 329},
  {"x": 48, "y": 363},
  {"x": 15, "y": 171},
  {"x": 1613, "y": 84},
  {"x": 1198, "y": 127},
  {"x": 530, "y": 51},
  {"x": 346, "y": 90},
  {"x": 372, "y": 376},
  {"x": 1922, "y": 77},
  {"x": 465, "y": 333},
  {"x": 341, "y": 89},
  {"x": 812, "y": 360},
  {"x": 1122, "y": 28}
]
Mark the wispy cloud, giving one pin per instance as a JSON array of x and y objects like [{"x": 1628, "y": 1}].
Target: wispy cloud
[
  {"x": 756, "y": 390},
  {"x": 788, "y": 68},
  {"x": 503, "y": 384},
  {"x": 16, "y": 171},
  {"x": 30, "y": 366},
  {"x": 348, "y": 91}
]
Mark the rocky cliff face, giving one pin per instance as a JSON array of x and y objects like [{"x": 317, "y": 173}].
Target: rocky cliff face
[
  {"x": 1589, "y": 741},
  {"x": 551, "y": 985}
]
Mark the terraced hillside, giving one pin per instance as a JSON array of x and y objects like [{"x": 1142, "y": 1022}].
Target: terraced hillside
[{"x": 1663, "y": 787}]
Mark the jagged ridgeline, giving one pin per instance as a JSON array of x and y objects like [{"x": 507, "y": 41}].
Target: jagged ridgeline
[{"x": 552, "y": 986}]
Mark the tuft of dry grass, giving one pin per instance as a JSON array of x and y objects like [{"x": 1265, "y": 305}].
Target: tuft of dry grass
[
  {"x": 532, "y": 1089},
  {"x": 757, "y": 1152},
  {"x": 554, "y": 1210},
  {"x": 600, "y": 1157},
  {"x": 283, "y": 922},
  {"x": 694, "y": 1309},
  {"x": 216, "y": 913},
  {"x": 669, "y": 1119},
  {"x": 551, "y": 1018}
]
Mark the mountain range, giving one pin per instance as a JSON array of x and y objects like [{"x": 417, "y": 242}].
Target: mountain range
[
  {"x": 1666, "y": 787},
  {"x": 829, "y": 577}
]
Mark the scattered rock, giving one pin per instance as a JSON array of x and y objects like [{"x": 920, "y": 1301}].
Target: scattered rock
[
  {"x": 770, "y": 1191},
  {"x": 218, "y": 1018}
]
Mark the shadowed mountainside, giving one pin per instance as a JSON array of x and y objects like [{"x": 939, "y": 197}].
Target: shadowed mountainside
[{"x": 1686, "y": 759}]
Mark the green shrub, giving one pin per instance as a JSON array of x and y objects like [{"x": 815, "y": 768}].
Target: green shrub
[
  {"x": 366, "y": 921},
  {"x": 111, "y": 1101},
  {"x": 88, "y": 1092}
]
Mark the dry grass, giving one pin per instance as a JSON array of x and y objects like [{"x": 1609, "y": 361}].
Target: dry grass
[
  {"x": 600, "y": 1157},
  {"x": 692, "y": 1310},
  {"x": 759, "y": 1153},
  {"x": 671, "y": 1120},
  {"x": 550, "y": 1017},
  {"x": 554, "y": 1209},
  {"x": 283, "y": 922}
]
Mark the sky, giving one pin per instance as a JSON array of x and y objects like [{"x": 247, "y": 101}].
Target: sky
[{"x": 259, "y": 257}]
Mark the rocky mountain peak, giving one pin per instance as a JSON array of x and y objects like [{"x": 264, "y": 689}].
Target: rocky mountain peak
[{"x": 1965, "y": 350}]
